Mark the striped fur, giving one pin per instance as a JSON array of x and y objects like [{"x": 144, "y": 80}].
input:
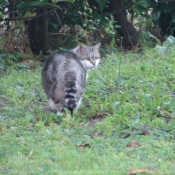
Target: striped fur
[
  {"x": 70, "y": 90},
  {"x": 64, "y": 76}
]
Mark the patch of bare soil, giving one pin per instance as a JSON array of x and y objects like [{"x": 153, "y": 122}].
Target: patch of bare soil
[{"x": 96, "y": 118}]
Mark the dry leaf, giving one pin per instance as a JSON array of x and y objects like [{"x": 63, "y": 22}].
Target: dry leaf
[
  {"x": 133, "y": 47},
  {"x": 30, "y": 154},
  {"x": 84, "y": 145},
  {"x": 164, "y": 113},
  {"x": 125, "y": 135},
  {"x": 96, "y": 134},
  {"x": 26, "y": 61},
  {"x": 133, "y": 144},
  {"x": 142, "y": 171},
  {"x": 144, "y": 132}
]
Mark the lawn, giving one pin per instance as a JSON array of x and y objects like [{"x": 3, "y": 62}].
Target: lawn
[{"x": 125, "y": 125}]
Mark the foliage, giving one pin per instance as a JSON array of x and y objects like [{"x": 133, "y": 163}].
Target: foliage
[
  {"x": 25, "y": 9},
  {"x": 9, "y": 60},
  {"x": 159, "y": 13},
  {"x": 93, "y": 18},
  {"x": 96, "y": 26},
  {"x": 22, "y": 13}
]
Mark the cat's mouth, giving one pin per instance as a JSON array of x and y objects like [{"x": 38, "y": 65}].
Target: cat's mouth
[{"x": 89, "y": 65}]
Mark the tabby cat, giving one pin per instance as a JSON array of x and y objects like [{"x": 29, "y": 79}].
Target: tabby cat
[{"x": 64, "y": 76}]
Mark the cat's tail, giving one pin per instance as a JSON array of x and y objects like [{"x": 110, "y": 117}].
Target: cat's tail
[{"x": 70, "y": 90}]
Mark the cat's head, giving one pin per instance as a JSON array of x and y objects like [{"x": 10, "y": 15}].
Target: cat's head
[{"x": 88, "y": 55}]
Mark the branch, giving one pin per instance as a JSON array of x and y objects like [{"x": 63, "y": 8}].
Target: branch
[
  {"x": 128, "y": 6},
  {"x": 26, "y": 18},
  {"x": 25, "y": 8}
]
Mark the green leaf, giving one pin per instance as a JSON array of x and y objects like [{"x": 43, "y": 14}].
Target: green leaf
[
  {"x": 76, "y": 20},
  {"x": 29, "y": 117},
  {"x": 54, "y": 25},
  {"x": 3, "y": 3},
  {"x": 136, "y": 10},
  {"x": 55, "y": 1},
  {"x": 96, "y": 15},
  {"x": 36, "y": 3},
  {"x": 104, "y": 21},
  {"x": 2, "y": 39},
  {"x": 148, "y": 35},
  {"x": 111, "y": 32},
  {"x": 102, "y": 5},
  {"x": 112, "y": 42},
  {"x": 1, "y": 15},
  {"x": 161, "y": 49},
  {"x": 167, "y": 7},
  {"x": 21, "y": 5},
  {"x": 143, "y": 3},
  {"x": 143, "y": 68},
  {"x": 170, "y": 40},
  {"x": 54, "y": 5},
  {"x": 117, "y": 26},
  {"x": 29, "y": 14}
]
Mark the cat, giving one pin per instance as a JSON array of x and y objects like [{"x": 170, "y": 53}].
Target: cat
[{"x": 65, "y": 73}]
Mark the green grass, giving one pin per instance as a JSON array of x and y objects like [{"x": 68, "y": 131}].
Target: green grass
[{"x": 128, "y": 97}]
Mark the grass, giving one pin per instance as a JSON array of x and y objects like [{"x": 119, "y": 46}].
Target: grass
[{"x": 129, "y": 97}]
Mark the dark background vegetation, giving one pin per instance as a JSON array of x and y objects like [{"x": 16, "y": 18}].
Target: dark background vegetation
[{"x": 40, "y": 26}]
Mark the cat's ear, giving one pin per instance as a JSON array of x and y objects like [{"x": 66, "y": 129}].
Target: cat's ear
[
  {"x": 81, "y": 48},
  {"x": 97, "y": 46}
]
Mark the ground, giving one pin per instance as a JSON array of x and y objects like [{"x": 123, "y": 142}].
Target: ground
[{"x": 125, "y": 124}]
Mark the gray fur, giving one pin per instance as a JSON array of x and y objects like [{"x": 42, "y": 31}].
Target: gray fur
[{"x": 64, "y": 76}]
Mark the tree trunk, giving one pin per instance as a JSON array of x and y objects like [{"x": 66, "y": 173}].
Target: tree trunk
[
  {"x": 39, "y": 27},
  {"x": 38, "y": 32},
  {"x": 44, "y": 32},
  {"x": 127, "y": 30}
]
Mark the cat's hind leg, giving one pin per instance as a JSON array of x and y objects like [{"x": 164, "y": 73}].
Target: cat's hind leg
[
  {"x": 56, "y": 101},
  {"x": 56, "y": 105}
]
